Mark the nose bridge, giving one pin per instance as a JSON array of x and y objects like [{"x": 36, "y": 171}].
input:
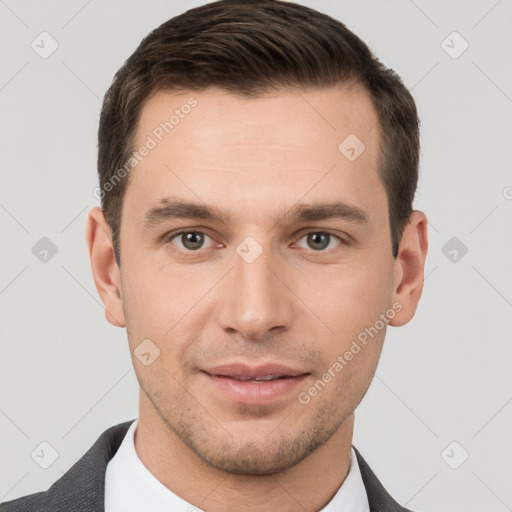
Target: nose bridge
[{"x": 255, "y": 300}]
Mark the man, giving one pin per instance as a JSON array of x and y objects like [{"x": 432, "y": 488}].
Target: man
[{"x": 257, "y": 171}]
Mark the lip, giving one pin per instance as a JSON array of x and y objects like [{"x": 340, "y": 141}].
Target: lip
[
  {"x": 242, "y": 370},
  {"x": 226, "y": 380}
]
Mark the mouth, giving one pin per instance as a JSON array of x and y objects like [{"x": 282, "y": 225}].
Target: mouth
[
  {"x": 256, "y": 385},
  {"x": 257, "y": 378}
]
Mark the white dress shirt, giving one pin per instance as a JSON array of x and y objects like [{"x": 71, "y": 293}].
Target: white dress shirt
[{"x": 130, "y": 487}]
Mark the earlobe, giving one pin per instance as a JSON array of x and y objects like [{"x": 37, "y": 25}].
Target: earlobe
[
  {"x": 104, "y": 267},
  {"x": 410, "y": 268}
]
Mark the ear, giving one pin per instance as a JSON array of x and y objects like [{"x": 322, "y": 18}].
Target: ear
[
  {"x": 105, "y": 271},
  {"x": 410, "y": 268}
]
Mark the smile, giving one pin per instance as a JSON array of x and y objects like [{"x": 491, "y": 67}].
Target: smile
[{"x": 262, "y": 385}]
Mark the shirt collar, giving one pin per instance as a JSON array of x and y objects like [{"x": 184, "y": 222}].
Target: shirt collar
[{"x": 131, "y": 487}]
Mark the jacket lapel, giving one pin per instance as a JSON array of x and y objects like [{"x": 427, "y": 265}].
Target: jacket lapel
[
  {"x": 82, "y": 487},
  {"x": 378, "y": 498}
]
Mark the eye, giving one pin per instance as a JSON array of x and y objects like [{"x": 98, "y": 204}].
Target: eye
[
  {"x": 193, "y": 241},
  {"x": 320, "y": 240},
  {"x": 189, "y": 240}
]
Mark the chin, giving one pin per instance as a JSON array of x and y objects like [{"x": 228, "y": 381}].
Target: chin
[{"x": 263, "y": 457}]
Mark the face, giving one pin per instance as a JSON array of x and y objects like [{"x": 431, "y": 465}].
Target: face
[{"x": 255, "y": 254}]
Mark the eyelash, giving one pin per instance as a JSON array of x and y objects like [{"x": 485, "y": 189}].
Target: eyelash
[{"x": 168, "y": 239}]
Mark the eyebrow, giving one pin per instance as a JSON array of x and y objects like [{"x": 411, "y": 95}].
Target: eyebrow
[{"x": 178, "y": 209}]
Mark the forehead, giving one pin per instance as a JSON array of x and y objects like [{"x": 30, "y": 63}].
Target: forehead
[
  {"x": 213, "y": 145},
  {"x": 298, "y": 118}
]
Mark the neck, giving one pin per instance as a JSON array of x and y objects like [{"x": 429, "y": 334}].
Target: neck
[{"x": 308, "y": 485}]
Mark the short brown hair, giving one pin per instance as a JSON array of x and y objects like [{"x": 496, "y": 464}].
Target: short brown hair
[{"x": 250, "y": 47}]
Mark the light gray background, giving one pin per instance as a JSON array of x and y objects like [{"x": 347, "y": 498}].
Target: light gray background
[{"x": 66, "y": 374}]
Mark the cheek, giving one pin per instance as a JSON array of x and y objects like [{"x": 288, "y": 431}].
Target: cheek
[
  {"x": 352, "y": 299},
  {"x": 352, "y": 305},
  {"x": 161, "y": 304}
]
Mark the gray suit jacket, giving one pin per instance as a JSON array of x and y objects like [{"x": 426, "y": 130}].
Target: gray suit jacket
[{"x": 82, "y": 487}]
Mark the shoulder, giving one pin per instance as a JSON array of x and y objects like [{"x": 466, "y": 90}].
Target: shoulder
[{"x": 82, "y": 487}]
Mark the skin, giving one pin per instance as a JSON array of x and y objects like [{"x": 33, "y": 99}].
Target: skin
[{"x": 255, "y": 159}]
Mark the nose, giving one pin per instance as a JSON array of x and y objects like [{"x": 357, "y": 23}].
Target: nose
[{"x": 255, "y": 300}]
